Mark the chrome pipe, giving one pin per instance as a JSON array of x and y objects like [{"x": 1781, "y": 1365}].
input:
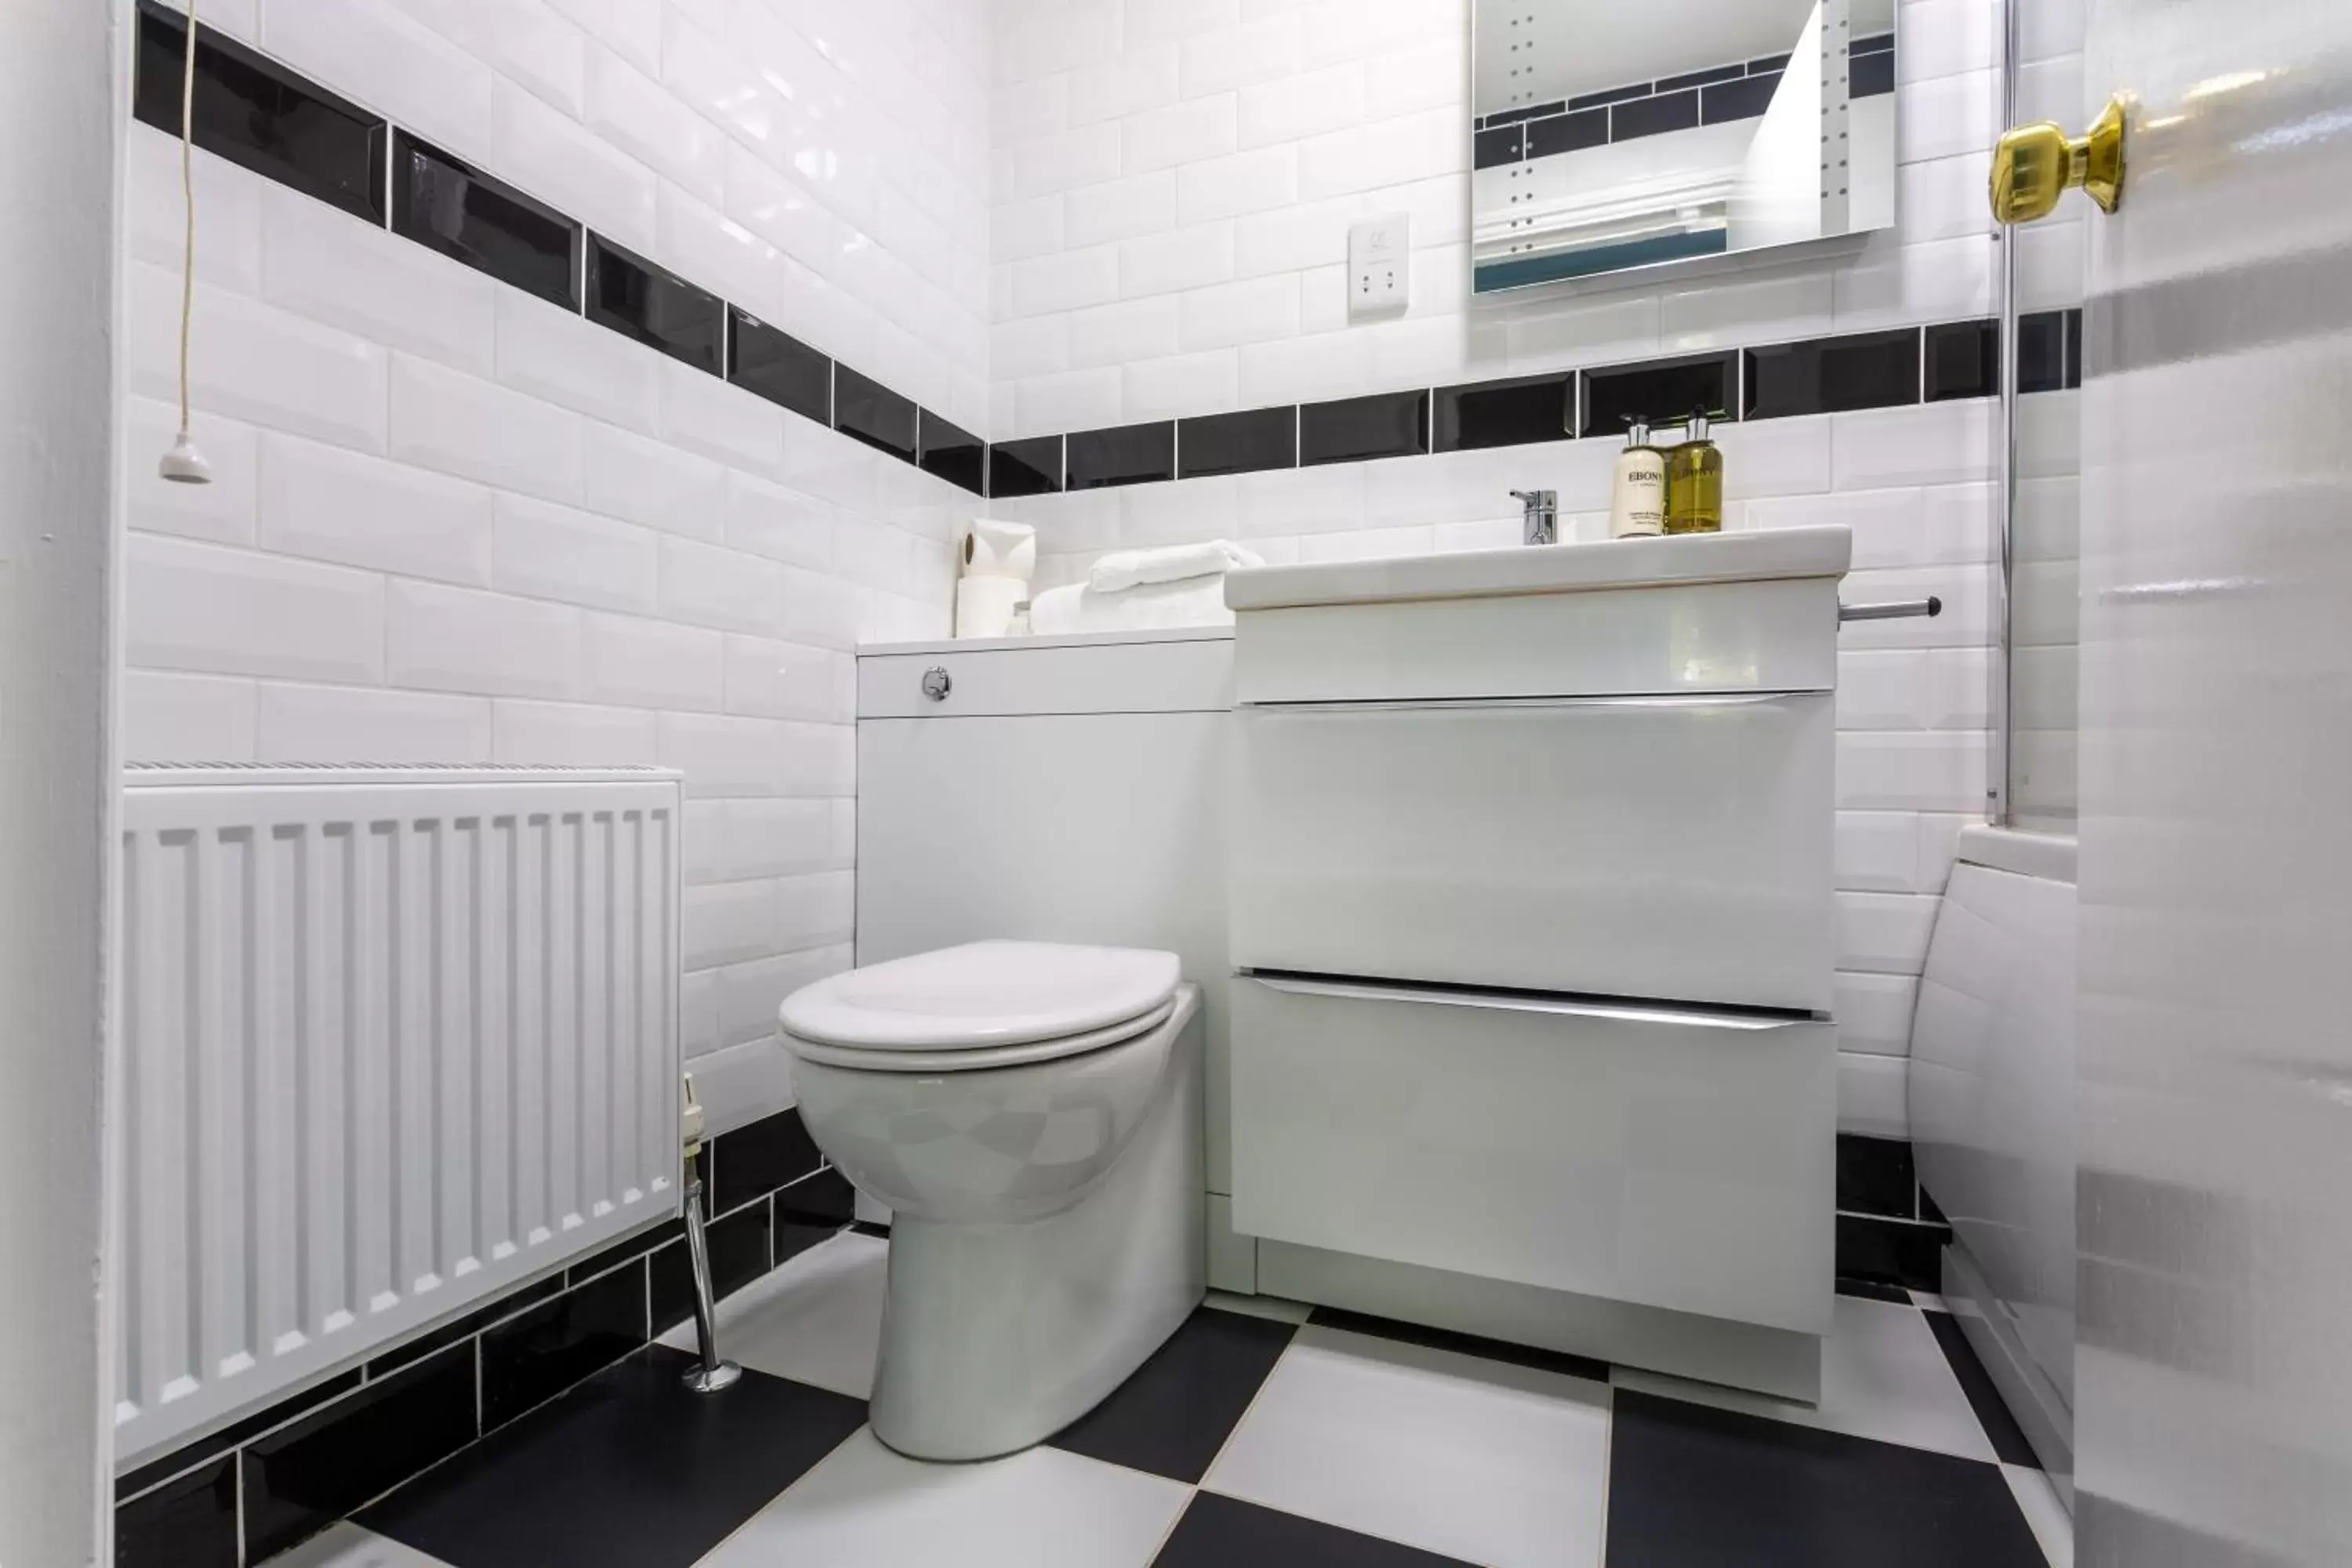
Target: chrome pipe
[{"x": 1895, "y": 610}]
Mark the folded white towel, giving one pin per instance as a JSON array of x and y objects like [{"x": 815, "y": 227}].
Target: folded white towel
[
  {"x": 1195, "y": 602},
  {"x": 1124, "y": 569}
]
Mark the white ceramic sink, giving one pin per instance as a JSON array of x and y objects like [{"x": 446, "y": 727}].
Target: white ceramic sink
[{"x": 1764, "y": 556}]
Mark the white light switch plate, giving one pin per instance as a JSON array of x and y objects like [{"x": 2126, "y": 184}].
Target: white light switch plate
[{"x": 1380, "y": 269}]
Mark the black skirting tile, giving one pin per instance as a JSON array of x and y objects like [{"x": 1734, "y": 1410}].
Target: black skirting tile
[
  {"x": 2000, "y": 1427},
  {"x": 824, "y": 1199},
  {"x": 1526, "y": 111},
  {"x": 1830, "y": 376},
  {"x": 755, "y": 1160},
  {"x": 237, "y": 1431},
  {"x": 1654, "y": 116},
  {"x": 1122, "y": 455},
  {"x": 951, "y": 453},
  {"x": 738, "y": 1255},
  {"x": 866, "y": 410},
  {"x": 870, "y": 1227},
  {"x": 1963, "y": 359},
  {"x": 1891, "y": 1251},
  {"x": 1871, "y": 76},
  {"x": 1226, "y": 1533},
  {"x": 628, "y": 1470},
  {"x": 1567, "y": 132},
  {"x": 2041, "y": 351},
  {"x": 1692, "y": 1487},
  {"x": 1354, "y": 430},
  {"x": 537, "y": 1355},
  {"x": 779, "y": 367},
  {"x": 1032, "y": 467},
  {"x": 1663, "y": 391},
  {"x": 1514, "y": 413},
  {"x": 1875, "y": 1177},
  {"x": 300, "y": 1481},
  {"x": 1745, "y": 99},
  {"x": 465, "y": 1327},
  {"x": 1498, "y": 145},
  {"x": 259, "y": 115},
  {"x": 450, "y": 206},
  {"x": 653, "y": 305},
  {"x": 637, "y": 1245},
  {"x": 1701, "y": 78},
  {"x": 187, "y": 1522},
  {"x": 2074, "y": 347},
  {"x": 1874, "y": 44},
  {"x": 1465, "y": 1344},
  {"x": 1244, "y": 443},
  {"x": 1610, "y": 95},
  {"x": 1772, "y": 63},
  {"x": 1177, "y": 1411},
  {"x": 1874, "y": 1290}
]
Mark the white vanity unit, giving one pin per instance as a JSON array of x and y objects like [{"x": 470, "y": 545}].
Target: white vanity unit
[{"x": 1531, "y": 914}]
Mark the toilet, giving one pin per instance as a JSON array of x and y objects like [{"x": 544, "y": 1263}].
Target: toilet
[{"x": 1032, "y": 1114}]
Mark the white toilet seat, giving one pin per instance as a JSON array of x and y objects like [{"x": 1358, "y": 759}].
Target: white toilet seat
[
  {"x": 974, "y": 1058},
  {"x": 983, "y": 1005}
]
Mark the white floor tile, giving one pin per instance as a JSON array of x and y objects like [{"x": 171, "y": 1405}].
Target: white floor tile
[
  {"x": 818, "y": 1319},
  {"x": 349, "y": 1546},
  {"x": 2054, "y": 1527},
  {"x": 865, "y": 1507},
  {"x": 1882, "y": 1376},
  {"x": 1275, "y": 1307},
  {"x": 1496, "y": 1464},
  {"x": 1928, "y": 1301}
]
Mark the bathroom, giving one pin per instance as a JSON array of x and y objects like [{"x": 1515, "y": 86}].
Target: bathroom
[{"x": 1126, "y": 782}]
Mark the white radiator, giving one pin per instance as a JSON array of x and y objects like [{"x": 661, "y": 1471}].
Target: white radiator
[{"x": 393, "y": 1040}]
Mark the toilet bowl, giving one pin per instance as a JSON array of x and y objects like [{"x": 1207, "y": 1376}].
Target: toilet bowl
[{"x": 1032, "y": 1114}]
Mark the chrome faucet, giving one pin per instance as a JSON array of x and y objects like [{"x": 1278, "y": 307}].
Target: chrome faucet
[{"x": 1542, "y": 515}]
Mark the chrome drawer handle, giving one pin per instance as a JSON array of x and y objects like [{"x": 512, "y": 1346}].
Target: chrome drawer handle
[
  {"x": 937, "y": 683},
  {"x": 1627, "y": 1010}
]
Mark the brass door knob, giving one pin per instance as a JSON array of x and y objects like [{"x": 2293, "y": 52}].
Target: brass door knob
[{"x": 2033, "y": 166}]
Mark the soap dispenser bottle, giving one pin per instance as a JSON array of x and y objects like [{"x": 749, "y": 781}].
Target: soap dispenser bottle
[
  {"x": 1637, "y": 502},
  {"x": 1694, "y": 482}
]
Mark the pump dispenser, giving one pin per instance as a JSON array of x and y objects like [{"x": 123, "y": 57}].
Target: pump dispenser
[
  {"x": 1637, "y": 500},
  {"x": 1694, "y": 482}
]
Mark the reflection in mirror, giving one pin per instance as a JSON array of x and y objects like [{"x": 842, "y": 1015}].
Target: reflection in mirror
[{"x": 1611, "y": 135}]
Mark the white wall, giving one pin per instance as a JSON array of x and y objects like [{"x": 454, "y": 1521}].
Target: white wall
[
  {"x": 1173, "y": 182},
  {"x": 453, "y": 523},
  {"x": 58, "y": 109}
]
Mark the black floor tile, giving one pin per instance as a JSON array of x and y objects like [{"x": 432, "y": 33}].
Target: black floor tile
[
  {"x": 189, "y": 1522},
  {"x": 1875, "y": 1177},
  {"x": 303, "y": 1477},
  {"x": 1175, "y": 1413},
  {"x": 1691, "y": 1487},
  {"x": 1992, "y": 1412},
  {"x": 1467, "y": 1344},
  {"x": 754, "y": 1161},
  {"x": 627, "y": 1470},
  {"x": 1891, "y": 1251},
  {"x": 1225, "y": 1532},
  {"x": 1874, "y": 1290}
]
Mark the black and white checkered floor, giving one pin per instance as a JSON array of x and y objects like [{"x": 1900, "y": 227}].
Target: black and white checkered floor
[{"x": 1262, "y": 1434}]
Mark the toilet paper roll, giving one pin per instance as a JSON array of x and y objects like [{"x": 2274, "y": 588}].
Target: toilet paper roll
[
  {"x": 984, "y": 605},
  {"x": 993, "y": 549}
]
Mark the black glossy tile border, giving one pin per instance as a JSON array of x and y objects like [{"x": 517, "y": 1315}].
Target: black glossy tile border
[
  {"x": 446, "y": 205},
  {"x": 1121, "y": 454},
  {"x": 1029, "y": 466},
  {"x": 1875, "y": 1177},
  {"x": 1357, "y": 429},
  {"x": 1834, "y": 376},
  {"x": 258, "y": 115},
  {"x": 1891, "y": 1251},
  {"x": 1963, "y": 359},
  {"x": 778, "y": 366},
  {"x": 951, "y": 453},
  {"x": 2041, "y": 351},
  {"x": 642, "y": 299},
  {"x": 1517, "y": 411},
  {"x": 866, "y": 410},
  {"x": 1663, "y": 392},
  {"x": 1243, "y": 443}
]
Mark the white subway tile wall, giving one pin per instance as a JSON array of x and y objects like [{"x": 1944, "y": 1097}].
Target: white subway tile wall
[
  {"x": 453, "y": 523},
  {"x": 1284, "y": 124}
]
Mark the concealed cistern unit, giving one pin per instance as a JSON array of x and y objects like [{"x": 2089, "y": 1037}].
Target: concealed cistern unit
[{"x": 1542, "y": 511}]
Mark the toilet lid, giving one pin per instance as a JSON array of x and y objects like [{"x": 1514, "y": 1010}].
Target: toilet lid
[{"x": 984, "y": 993}]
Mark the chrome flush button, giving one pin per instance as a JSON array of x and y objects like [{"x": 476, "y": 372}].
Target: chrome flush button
[{"x": 937, "y": 684}]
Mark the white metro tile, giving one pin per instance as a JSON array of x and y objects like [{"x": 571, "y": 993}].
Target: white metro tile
[
  {"x": 651, "y": 664},
  {"x": 228, "y": 201},
  {"x": 817, "y": 911},
  {"x": 816, "y": 1320},
  {"x": 645, "y": 120},
  {"x": 1877, "y": 851},
  {"x": 1366, "y": 544},
  {"x": 1883, "y": 933},
  {"x": 223, "y": 511},
  {"x": 572, "y": 734},
  {"x": 392, "y": 63},
  {"x": 331, "y": 267},
  {"x": 722, "y": 757},
  {"x": 631, "y": 27},
  {"x": 254, "y": 362},
  {"x": 331, "y": 504},
  {"x": 186, "y": 718},
  {"x": 561, "y": 162},
  {"x": 1262, "y": 49},
  {"x": 1308, "y": 104},
  {"x": 1129, "y": 84},
  {"x": 1874, "y": 1013},
  {"x": 1226, "y": 315},
  {"x": 706, "y": 414},
  {"x": 750, "y": 993},
  {"x": 784, "y": 680},
  {"x": 1942, "y": 37},
  {"x": 738, "y": 1084},
  {"x": 722, "y": 588},
  {"x": 1874, "y": 1095},
  {"x": 1896, "y": 284},
  {"x": 1741, "y": 310},
  {"x": 1938, "y": 770},
  {"x": 1180, "y": 133},
  {"x": 522, "y": 38},
  {"x": 1884, "y": 1377},
  {"x": 461, "y": 639},
  {"x": 347, "y": 1545},
  {"x": 727, "y": 923},
  {"x": 652, "y": 482},
  {"x": 555, "y": 552},
  {"x": 1929, "y": 444},
  {"x": 476, "y": 429},
  {"x": 198, "y": 607},
  {"x": 781, "y": 524},
  {"x": 561, "y": 357},
  {"x": 1880, "y": 689},
  {"x": 341, "y": 724},
  {"x": 1126, "y": 333},
  {"x": 1179, "y": 385},
  {"x": 1481, "y": 1460},
  {"x": 785, "y": 837},
  {"x": 1040, "y": 1509},
  {"x": 1241, "y": 182}
]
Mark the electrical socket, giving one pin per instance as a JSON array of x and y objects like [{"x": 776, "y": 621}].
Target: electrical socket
[{"x": 1380, "y": 266}]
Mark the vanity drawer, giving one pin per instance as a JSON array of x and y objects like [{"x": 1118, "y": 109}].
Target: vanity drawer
[
  {"x": 1677, "y": 1159},
  {"x": 1673, "y": 847}
]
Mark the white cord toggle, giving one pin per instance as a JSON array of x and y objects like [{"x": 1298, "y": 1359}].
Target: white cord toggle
[{"x": 184, "y": 465}]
